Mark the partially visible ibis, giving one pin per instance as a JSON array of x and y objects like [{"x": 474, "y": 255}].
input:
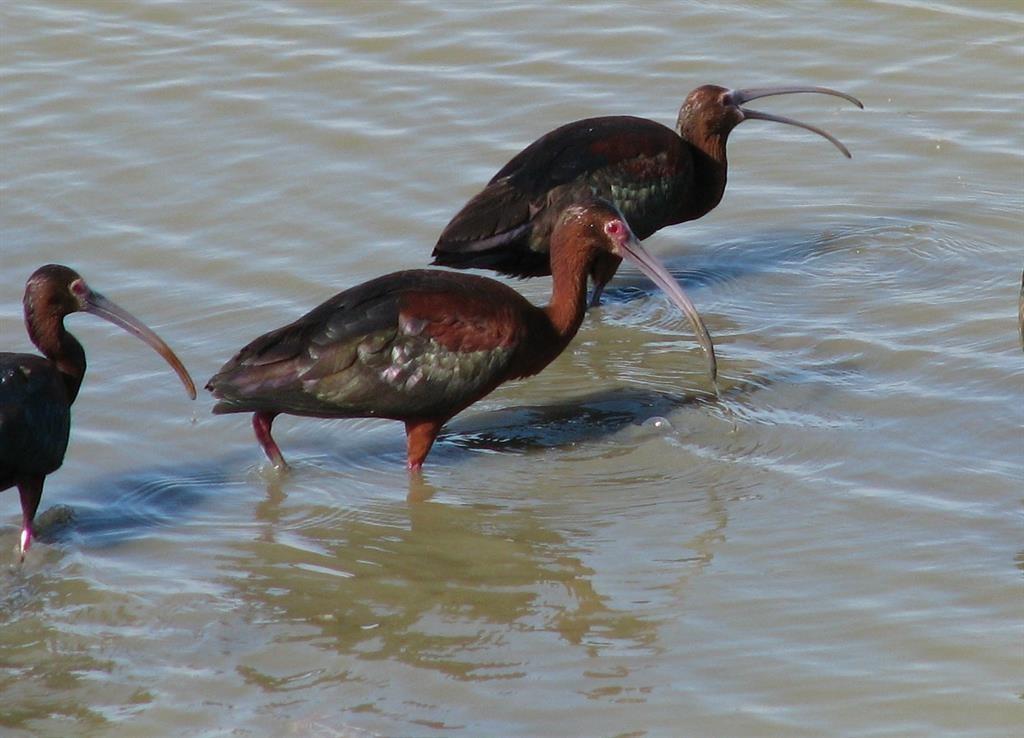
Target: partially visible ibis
[
  {"x": 420, "y": 346},
  {"x": 36, "y": 392},
  {"x": 656, "y": 176}
]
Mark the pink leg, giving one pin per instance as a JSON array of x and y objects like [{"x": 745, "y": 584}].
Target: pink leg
[
  {"x": 31, "y": 491},
  {"x": 420, "y": 435},
  {"x": 261, "y": 423}
]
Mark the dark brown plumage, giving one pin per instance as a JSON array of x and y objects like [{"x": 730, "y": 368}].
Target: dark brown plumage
[
  {"x": 421, "y": 345},
  {"x": 36, "y": 392},
  {"x": 656, "y": 176}
]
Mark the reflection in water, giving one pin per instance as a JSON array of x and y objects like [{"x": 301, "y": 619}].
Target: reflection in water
[
  {"x": 50, "y": 662},
  {"x": 468, "y": 591},
  {"x": 471, "y": 592},
  {"x": 431, "y": 585}
]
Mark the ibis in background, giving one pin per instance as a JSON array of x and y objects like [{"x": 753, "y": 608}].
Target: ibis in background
[
  {"x": 36, "y": 392},
  {"x": 421, "y": 345},
  {"x": 656, "y": 176}
]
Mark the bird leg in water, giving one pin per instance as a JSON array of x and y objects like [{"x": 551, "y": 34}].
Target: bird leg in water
[
  {"x": 261, "y": 423},
  {"x": 420, "y": 435},
  {"x": 31, "y": 491}
]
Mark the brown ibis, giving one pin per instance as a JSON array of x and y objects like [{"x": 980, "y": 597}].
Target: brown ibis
[
  {"x": 421, "y": 345},
  {"x": 36, "y": 392},
  {"x": 656, "y": 176}
]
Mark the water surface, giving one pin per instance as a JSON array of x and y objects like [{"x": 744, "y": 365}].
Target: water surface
[{"x": 833, "y": 547}]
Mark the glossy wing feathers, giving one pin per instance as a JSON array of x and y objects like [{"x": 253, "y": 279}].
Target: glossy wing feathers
[
  {"x": 268, "y": 372},
  {"x": 582, "y": 147},
  {"x": 414, "y": 343},
  {"x": 496, "y": 218},
  {"x": 494, "y": 229}
]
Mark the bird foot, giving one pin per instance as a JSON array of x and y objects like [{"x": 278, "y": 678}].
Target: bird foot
[
  {"x": 25, "y": 542},
  {"x": 276, "y": 468}
]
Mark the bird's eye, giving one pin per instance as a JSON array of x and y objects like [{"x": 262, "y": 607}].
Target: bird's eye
[
  {"x": 614, "y": 228},
  {"x": 78, "y": 288}
]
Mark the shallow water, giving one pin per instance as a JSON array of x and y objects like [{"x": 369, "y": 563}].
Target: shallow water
[{"x": 833, "y": 547}]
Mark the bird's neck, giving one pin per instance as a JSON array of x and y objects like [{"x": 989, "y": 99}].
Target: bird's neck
[
  {"x": 569, "y": 270},
  {"x": 568, "y": 295},
  {"x": 710, "y": 174},
  {"x": 710, "y": 170},
  {"x": 63, "y": 349}
]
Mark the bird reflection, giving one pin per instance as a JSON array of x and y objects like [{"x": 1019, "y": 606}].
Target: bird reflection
[
  {"x": 450, "y": 588},
  {"x": 493, "y": 590},
  {"x": 434, "y": 586}
]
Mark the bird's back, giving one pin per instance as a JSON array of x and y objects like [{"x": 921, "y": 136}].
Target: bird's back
[{"x": 640, "y": 165}]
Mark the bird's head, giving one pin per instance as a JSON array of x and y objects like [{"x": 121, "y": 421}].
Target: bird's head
[
  {"x": 709, "y": 113},
  {"x": 54, "y": 291},
  {"x": 49, "y": 291},
  {"x": 596, "y": 226}
]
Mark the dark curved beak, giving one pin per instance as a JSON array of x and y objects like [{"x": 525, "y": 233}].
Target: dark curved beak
[
  {"x": 631, "y": 249},
  {"x": 739, "y": 97},
  {"x": 97, "y": 304}
]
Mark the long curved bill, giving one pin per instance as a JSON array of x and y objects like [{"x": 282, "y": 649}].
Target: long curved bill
[
  {"x": 742, "y": 96},
  {"x": 632, "y": 250},
  {"x": 97, "y": 304}
]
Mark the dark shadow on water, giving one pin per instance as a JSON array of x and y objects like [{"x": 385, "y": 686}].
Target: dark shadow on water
[
  {"x": 583, "y": 419},
  {"x": 695, "y": 266},
  {"x": 127, "y": 506}
]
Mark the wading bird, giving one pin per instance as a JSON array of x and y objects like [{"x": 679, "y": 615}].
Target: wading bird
[
  {"x": 422, "y": 345},
  {"x": 36, "y": 392},
  {"x": 656, "y": 176}
]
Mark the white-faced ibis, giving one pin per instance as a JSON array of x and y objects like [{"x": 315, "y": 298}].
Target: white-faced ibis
[
  {"x": 36, "y": 392},
  {"x": 656, "y": 176},
  {"x": 422, "y": 345}
]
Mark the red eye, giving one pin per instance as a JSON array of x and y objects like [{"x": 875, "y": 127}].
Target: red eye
[{"x": 614, "y": 228}]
